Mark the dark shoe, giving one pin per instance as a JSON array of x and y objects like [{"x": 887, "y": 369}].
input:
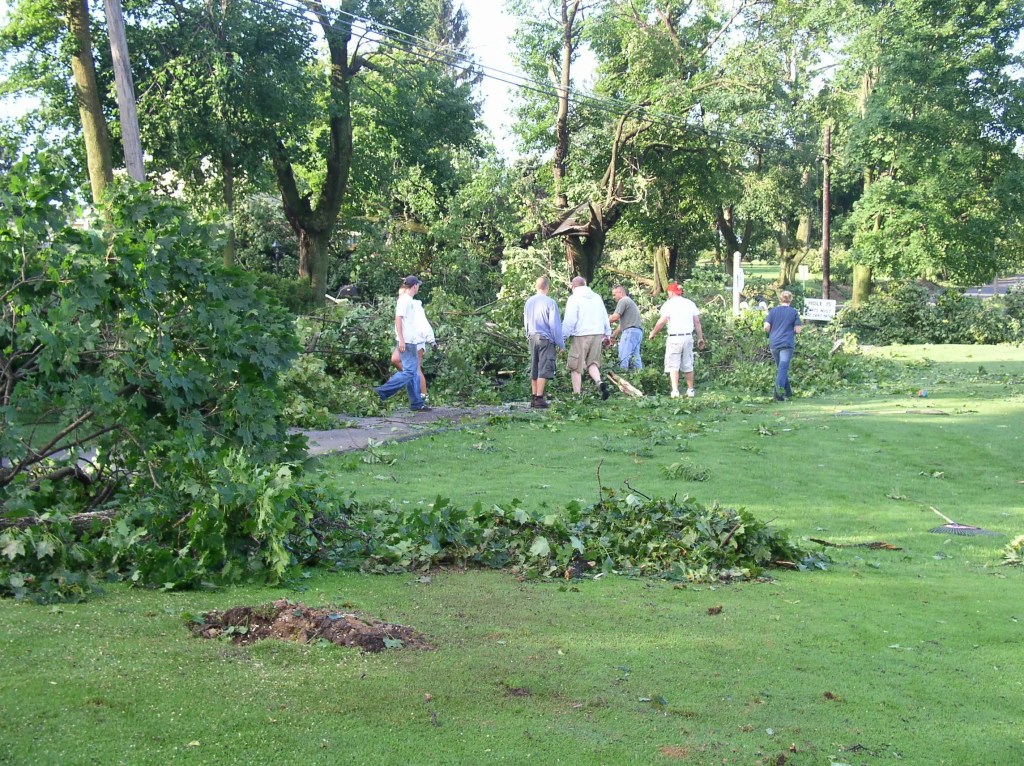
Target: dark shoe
[
  {"x": 778, "y": 397},
  {"x": 789, "y": 392},
  {"x": 533, "y": 403},
  {"x": 424, "y": 408},
  {"x": 605, "y": 393},
  {"x": 540, "y": 403}
]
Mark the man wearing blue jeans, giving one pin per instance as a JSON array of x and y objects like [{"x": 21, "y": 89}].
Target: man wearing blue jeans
[
  {"x": 627, "y": 317},
  {"x": 407, "y": 334},
  {"x": 782, "y": 325}
]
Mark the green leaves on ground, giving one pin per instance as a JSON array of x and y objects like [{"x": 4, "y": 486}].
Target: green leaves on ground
[{"x": 679, "y": 539}]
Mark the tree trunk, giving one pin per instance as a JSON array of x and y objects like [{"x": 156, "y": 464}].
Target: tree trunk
[
  {"x": 861, "y": 283},
  {"x": 661, "y": 270},
  {"x": 314, "y": 226},
  {"x": 228, "y": 163},
  {"x": 585, "y": 253},
  {"x": 727, "y": 228},
  {"x": 569, "y": 9},
  {"x": 87, "y": 91}
]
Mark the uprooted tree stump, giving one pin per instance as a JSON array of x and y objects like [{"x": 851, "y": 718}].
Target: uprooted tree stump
[{"x": 290, "y": 621}]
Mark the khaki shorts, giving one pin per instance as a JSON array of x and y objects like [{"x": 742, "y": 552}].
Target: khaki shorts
[
  {"x": 585, "y": 351},
  {"x": 679, "y": 353}
]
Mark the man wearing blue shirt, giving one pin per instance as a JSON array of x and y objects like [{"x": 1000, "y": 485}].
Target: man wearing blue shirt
[
  {"x": 544, "y": 332},
  {"x": 782, "y": 325}
]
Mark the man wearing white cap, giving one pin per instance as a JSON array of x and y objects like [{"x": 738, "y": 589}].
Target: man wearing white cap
[{"x": 410, "y": 340}]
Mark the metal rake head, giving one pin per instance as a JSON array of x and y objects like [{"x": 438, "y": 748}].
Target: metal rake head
[{"x": 962, "y": 529}]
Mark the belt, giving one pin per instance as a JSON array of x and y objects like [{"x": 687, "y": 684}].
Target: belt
[{"x": 678, "y": 334}]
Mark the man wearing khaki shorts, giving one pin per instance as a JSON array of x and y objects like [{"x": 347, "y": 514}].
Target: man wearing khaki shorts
[
  {"x": 683, "y": 319},
  {"x": 586, "y": 322}
]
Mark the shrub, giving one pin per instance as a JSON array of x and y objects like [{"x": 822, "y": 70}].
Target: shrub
[
  {"x": 135, "y": 364},
  {"x": 903, "y": 314}
]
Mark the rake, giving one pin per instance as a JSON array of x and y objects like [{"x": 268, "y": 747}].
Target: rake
[{"x": 952, "y": 528}]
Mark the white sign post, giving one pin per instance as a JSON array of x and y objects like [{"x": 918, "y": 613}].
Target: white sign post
[
  {"x": 819, "y": 309},
  {"x": 737, "y": 283}
]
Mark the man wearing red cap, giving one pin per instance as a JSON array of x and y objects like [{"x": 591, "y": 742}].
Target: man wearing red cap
[{"x": 683, "y": 319}]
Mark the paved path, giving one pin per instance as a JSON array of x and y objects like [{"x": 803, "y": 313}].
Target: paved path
[
  {"x": 1000, "y": 286},
  {"x": 399, "y": 426}
]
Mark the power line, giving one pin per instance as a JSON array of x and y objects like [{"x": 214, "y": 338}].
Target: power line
[{"x": 426, "y": 50}]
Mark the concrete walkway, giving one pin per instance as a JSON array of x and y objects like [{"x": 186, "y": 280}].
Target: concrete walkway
[{"x": 398, "y": 426}]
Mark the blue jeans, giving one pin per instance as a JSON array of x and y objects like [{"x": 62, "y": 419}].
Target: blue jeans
[
  {"x": 629, "y": 348},
  {"x": 408, "y": 378},
  {"x": 782, "y": 357}
]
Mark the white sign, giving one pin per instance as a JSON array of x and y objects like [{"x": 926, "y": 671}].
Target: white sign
[
  {"x": 819, "y": 309},
  {"x": 804, "y": 272}
]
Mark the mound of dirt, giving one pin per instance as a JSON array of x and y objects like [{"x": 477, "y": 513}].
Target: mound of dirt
[{"x": 290, "y": 621}]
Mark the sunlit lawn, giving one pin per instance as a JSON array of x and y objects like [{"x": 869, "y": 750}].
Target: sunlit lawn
[{"x": 905, "y": 656}]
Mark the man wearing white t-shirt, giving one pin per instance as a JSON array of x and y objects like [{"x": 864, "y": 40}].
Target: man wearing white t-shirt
[
  {"x": 683, "y": 319},
  {"x": 410, "y": 340}
]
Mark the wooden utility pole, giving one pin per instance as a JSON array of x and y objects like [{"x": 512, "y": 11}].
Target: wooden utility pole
[
  {"x": 125, "y": 91},
  {"x": 826, "y": 216}
]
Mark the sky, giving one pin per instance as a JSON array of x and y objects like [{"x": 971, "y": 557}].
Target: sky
[{"x": 489, "y": 39}]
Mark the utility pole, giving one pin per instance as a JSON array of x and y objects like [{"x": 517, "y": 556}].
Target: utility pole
[
  {"x": 826, "y": 216},
  {"x": 125, "y": 91}
]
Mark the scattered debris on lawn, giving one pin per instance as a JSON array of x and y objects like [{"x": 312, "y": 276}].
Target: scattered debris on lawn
[
  {"x": 876, "y": 546},
  {"x": 290, "y": 621},
  {"x": 863, "y": 413}
]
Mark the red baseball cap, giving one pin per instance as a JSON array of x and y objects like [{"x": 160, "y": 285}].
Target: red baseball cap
[{"x": 674, "y": 288}]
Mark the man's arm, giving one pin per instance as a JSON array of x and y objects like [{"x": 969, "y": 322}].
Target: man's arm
[
  {"x": 657, "y": 327},
  {"x": 699, "y": 330},
  {"x": 767, "y": 326}
]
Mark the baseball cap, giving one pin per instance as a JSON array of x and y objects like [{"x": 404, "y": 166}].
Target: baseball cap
[
  {"x": 674, "y": 288},
  {"x": 410, "y": 281}
]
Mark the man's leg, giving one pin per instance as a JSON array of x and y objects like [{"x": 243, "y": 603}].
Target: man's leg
[
  {"x": 423, "y": 378},
  {"x": 411, "y": 367},
  {"x": 631, "y": 339},
  {"x": 393, "y": 385},
  {"x": 673, "y": 377},
  {"x": 577, "y": 381},
  {"x": 782, "y": 374},
  {"x": 636, "y": 349}
]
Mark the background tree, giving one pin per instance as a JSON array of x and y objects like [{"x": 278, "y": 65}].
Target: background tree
[
  {"x": 934, "y": 127},
  {"x": 214, "y": 79}
]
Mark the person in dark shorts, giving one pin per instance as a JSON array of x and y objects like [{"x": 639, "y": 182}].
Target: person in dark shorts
[{"x": 543, "y": 327}]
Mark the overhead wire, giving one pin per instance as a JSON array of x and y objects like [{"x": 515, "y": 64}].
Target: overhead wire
[{"x": 426, "y": 50}]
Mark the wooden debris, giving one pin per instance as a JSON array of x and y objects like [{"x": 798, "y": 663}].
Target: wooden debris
[{"x": 624, "y": 385}]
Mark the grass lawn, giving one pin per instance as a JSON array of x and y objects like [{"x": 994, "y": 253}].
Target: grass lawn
[{"x": 889, "y": 657}]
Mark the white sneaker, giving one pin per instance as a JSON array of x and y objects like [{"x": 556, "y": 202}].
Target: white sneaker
[
  {"x": 674, "y": 394},
  {"x": 690, "y": 393}
]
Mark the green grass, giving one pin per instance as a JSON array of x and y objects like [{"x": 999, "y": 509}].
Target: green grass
[{"x": 890, "y": 657}]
